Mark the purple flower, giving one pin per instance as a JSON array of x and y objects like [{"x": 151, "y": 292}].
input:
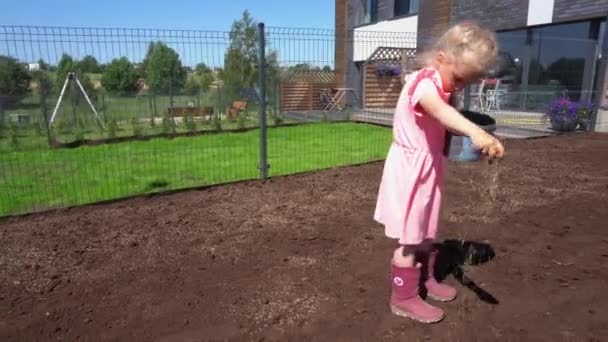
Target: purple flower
[
  {"x": 566, "y": 113},
  {"x": 562, "y": 109}
]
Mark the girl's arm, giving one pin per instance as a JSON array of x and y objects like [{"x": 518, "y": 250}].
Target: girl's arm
[{"x": 453, "y": 120}]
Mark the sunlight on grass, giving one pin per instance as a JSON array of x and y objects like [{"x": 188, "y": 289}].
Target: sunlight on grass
[{"x": 33, "y": 177}]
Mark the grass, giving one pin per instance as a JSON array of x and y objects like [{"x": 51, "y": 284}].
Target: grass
[{"x": 38, "y": 178}]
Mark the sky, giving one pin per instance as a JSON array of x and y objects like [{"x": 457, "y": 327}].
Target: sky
[
  {"x": 29, "y": 44},
  {"x": 166, "y": 14}
]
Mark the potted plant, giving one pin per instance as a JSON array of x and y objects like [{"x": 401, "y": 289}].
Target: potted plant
[
  {"x": 583, "y": 113},
  {"x": 562, "y": 114}
]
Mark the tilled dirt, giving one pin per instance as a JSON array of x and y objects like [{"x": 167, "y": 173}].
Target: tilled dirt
[{"x": 299, "y": 258}]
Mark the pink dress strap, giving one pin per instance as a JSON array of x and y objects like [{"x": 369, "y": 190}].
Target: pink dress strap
[{"x": 427, "y": 74}]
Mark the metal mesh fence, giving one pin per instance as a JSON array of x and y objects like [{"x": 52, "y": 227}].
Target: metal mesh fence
[
  {"x": 110, "y": 113},
  {"x": 168, "y": 120},
  {"x": 94, "y": 114}
]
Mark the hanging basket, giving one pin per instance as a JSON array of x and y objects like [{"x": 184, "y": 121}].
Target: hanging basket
[{"x": 388, "y": 70}]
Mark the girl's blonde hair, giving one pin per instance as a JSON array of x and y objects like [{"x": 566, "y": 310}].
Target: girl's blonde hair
[{"x": 464, "y": 41}]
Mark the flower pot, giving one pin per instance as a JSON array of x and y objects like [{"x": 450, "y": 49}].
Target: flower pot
[
  {"x": 563, "y": 124},
  {"x": 583, "y": 124}
]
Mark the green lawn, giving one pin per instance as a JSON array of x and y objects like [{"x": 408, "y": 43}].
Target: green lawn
[{"x": 36, "y": 178}]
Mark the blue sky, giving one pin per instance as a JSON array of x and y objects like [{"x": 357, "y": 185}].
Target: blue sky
[
  {"x": 29, "y": 44},
  {"x": 166, "y": 14}
]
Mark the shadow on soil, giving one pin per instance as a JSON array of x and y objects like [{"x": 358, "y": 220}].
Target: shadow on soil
[{"x": 454, "y": 254}]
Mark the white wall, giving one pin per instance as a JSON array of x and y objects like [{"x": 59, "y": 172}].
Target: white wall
[
  {"x": 540, "y": 12},
  {"x": 389, "y": 33}
]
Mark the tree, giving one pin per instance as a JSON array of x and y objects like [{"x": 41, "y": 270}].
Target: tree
[
  {"x": 163, "y": 70},
  {"x": 241, "y": 60},
  {"x": 43, "y": 65},
  {"x": 327, "y": 68},
  {"x": 44, "y": 83},
  {"x": 120, "y": 77},
  {"x": 144, "y": 64},
  {"x": 241, "y": 57},
  {"x": 204, "y": 75},
  {"x": 66, "y": 65},
  {"x": 89, "y": 65},
  {"x": 44, "y": 89},
  {"x": 14, "y": 82},
  {"x": 192, "y": 86}
]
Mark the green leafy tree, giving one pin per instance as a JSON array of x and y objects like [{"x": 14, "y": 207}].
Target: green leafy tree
[
  {"x": 120, "y": 77},
  {"x": 43, "y": 65},
  {"x": 241, "y": 60},
  {"x": 89, "y": 65},
  {"x": 66, "y": 65},
  {"x": 144, "y": 64},
  {"x": 73, "y": 94},
  {"x": 44, "y": 87},
  {"x": 14, "y": 82},
  {"x": 199, "y": 81},
  {"x": 163, "y": 70},
  {"x": 192, "y": 86},
  {"x": 205, "y": 76}
]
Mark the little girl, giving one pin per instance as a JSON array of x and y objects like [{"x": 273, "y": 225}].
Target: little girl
[{"x": 409, "y": 198}]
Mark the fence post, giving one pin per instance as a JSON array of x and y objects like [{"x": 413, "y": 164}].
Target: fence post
[
  {"x": 467, "y": 98},
  {"x": 44, "y": 110},
  {"x": 602, "y": 82},
  {"x": 262, "y": 98}
]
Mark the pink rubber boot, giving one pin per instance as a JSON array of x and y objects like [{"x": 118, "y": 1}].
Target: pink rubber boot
[
  {"x": 405, "y": 300},
  {"x": 436, "y": 290}
]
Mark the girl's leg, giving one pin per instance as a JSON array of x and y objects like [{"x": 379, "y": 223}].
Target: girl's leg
[
  {"x": 405, "y": 256},
  {"x": 405, "y": 300},
  {"x": 427, "y": 256}
]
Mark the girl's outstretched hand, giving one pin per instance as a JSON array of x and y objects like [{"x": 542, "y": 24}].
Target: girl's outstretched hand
[{"x": 488, "y": 145}]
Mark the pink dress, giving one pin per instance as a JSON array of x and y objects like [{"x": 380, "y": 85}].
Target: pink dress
[{"x": 409, "y": 199}]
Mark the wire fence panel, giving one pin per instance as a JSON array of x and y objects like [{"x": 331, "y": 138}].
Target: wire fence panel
[
  {"x": 343, "y": 124},
  {"x": 168, "y": 118},
  {"x": 94, "y": 114}
]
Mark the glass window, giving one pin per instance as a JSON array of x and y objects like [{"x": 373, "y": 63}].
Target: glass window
[
  {"x": 541, "y": 63},
  {"x": 513, "y": 56},
  {"x": 368, "y": 12},
  {"x": 404, "y": 7},
  {"x": 561, "y": 59}
]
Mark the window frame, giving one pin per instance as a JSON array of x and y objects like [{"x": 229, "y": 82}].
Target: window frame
[{"x": 399, "y": 13}]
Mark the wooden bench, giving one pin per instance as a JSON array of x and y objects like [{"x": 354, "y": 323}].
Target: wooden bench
[{"x": 206, "y": 112}]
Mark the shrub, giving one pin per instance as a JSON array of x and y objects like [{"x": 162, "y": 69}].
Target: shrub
[
  {"x": 190, "y": 124},
  {"x": 242, "y": 120},
  {"x": 136, "y": 127},
  {"x": 216, "y": 123},
  {"x": 112, "y": 129},
  {"x": 276, "y": 116}
]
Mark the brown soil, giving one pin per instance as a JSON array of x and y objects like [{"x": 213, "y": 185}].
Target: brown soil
[{"x": 299, "y": 258}]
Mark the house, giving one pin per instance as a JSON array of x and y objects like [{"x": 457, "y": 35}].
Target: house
[
  {"x": 363, "y": 26},
  {"x": 33, "y": 67},
  {"x": 554, "y": 46}
]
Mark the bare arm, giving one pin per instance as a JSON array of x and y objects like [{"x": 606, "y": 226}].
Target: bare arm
[
  {"x": 449, "y": 117},
  {"x": 454, "y": 121}
]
